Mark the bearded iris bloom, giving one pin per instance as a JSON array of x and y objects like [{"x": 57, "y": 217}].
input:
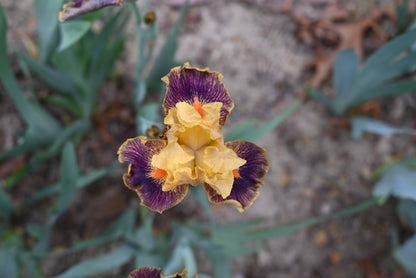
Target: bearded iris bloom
[{"x": 196, "y": 107}]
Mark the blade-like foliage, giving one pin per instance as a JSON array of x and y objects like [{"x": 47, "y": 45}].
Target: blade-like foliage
[
  {"x": 248, "y": 132},
  {"x": 165, "y": 60},
  {"x": 109, "y": 261},
  {"x": 397, "y": 181},
  {"x": 47, "y": 18},
  {"x": 364, "y": 124},
  {"x": 375, "y": 79},
  {"x": 406, "y": 255},
  {"x": 41, "y": 125},
  {"x": 72, "y": 31}
]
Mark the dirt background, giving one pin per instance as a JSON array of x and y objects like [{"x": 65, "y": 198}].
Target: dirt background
[{"x": 316, "y": 167}]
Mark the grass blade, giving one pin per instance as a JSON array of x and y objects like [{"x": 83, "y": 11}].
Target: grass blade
[
  {"x": 256, "y": 133},
  {"x": 47, "y": 15},
  {"x": 165, "y": 61},
  {"x": 389, "y": 51},
  {"x": 97, "y": 265}
]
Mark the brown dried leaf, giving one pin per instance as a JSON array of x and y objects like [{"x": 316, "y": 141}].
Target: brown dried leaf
[
  {"x": 328, "y": 32},
  {"x": 10, "y": 166}
]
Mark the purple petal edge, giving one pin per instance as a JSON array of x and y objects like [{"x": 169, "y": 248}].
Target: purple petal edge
[
  {"x": 153, "y": 272},
  {"x": 80, "y": 7}
]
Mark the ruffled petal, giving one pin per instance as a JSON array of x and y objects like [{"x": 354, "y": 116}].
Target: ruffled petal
[
  {"x": 139, "y": 152},
  {"x": 216, "y": 164},
  {"x": 245, "y": 187},
  {"x": 187, "y": 84},
  {"x": 152, "y": 272}
]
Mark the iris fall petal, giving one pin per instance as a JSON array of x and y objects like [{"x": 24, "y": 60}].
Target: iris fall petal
[{"x": 139, "y": 152}]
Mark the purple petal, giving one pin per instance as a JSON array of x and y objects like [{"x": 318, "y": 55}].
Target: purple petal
[
  {"x": 152, "y": 272},
  {"x": 186, "y": 83},
  {"x": 78, "y": 3},
  {"x": 139, "y": 152},
  {"x": 146, "y": 272},
  {"x": 245, "y": 187},
  {"x": 80, "y": 7}
]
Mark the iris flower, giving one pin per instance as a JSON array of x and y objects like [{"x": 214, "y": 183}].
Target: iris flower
[
  {"x": 193, "y": 151},
  {"x": 152, "y": 272},
  {"x": 73, "y": 9}
]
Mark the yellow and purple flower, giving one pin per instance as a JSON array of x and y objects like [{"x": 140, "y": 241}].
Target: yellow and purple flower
[
  {"x": 152, "y": 272},
  {"x": 196, "y": 107}
]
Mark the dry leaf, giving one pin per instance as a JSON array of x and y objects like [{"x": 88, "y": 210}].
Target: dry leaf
[{"x": 329, "y": 36}]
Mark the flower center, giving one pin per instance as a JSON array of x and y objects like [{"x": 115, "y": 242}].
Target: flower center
[{"x": 196, "y": 152}]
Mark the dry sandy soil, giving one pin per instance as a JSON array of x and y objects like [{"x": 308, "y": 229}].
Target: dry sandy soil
[{"x": 316, "y": 168}]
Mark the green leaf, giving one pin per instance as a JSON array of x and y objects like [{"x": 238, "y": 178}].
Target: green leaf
[
  {"x": 69, "y": 177},
  {"x": 328, "y": 102},
  {"x": 364, "y": 124},
  {"x": 201, "y": 196},
  {"x": 182, "y": 254},
  {"x": 53, "y": 78},
  {"x": 407, "y": 212},
  {"x": 397, "y": 181},
  {"x": 144, "y": 258},
  {"x": 406, "y": 255},
  {"x": 345, "y": 71},
  {"x": 83, "y": 180},
  {"x": 392, "y": 89},
  {"x": 97, "y": 265},
  {"x": 41, "y": 122},
  {"x": 165, "y": 61},
  {"x": 376, "y": 77},
  {"x": 36, "y": 231},
  {"x": 147, "y": 116},
  {"x": 372, "y": 80},
  {"x": 390, "y": 50},
  {"x": 47, "y": 16},
  {"x": 72, "y": 31},
  {"x": 387, "y": 165},
  {"x": 123, "y": 225},
  {"x": 8, "y": 264},
  {"x": 6, "y": 205},
  {"x": 240, "y": 131},
  {"x": 255, "y": 133},
  {"x": 67, "y": 103}
]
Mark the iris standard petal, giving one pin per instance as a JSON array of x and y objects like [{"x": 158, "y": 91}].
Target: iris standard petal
[
  {"x": 152, "y": 272},
  {"x": 246, "y": 178},
  {"x": 145, "y": 179},
  {"x": 188, "y": 84}
]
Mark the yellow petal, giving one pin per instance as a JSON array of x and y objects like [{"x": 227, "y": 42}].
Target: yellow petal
[
  {"x": 183, "y": 175},
  {"x": 215, "y": 165},
  {"x": 195, "y": 137},
  {"x": 178, "y": 161},
  {"x": 173, "y": 156},
  {"x": 187, "y": 115}
]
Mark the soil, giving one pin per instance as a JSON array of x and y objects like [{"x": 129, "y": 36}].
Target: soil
[{"x": 316, "y": 167}]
